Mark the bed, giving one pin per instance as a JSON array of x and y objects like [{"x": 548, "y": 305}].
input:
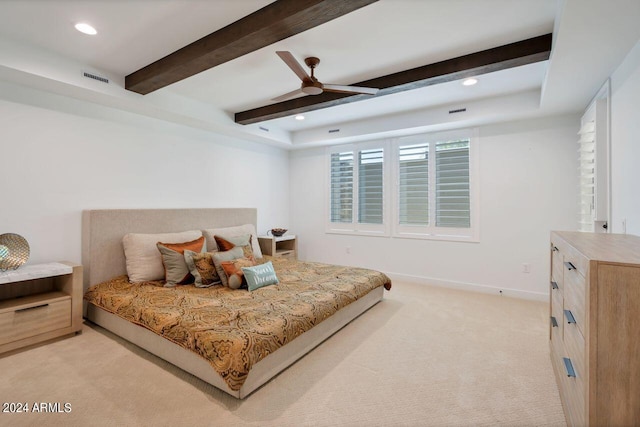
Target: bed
[{"x": 353, "y": 292}]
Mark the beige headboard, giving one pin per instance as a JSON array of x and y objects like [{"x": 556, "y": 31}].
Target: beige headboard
[{"x": 102, "y": 232}]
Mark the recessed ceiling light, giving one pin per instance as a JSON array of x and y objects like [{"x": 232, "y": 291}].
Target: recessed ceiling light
[
  {"x": 86, "y": 28},
  {"x": 470, "y": 82},
  {"x": 299, "y": 117}
]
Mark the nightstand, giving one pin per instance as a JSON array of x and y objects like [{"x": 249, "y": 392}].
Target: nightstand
[
  {"x": 39, "y": 302},
  {"x": 284, "y": 246}
]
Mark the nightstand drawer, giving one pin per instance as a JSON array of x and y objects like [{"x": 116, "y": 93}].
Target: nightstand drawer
[{"x": 34, "y": 319}]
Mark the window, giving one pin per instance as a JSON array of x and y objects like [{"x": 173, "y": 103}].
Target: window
[
  {"x": 413, "y": 184},
  {"x": 370, "y": 186},
  {"x": 452, "y": 184},
  {"x": 422, "y": 186},
  {"x": 435, "y": 187},
  {"x": 342, "y": 187},
  {"x": 358, "y": 189}
]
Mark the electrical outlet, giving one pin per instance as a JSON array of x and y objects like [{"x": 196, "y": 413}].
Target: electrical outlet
[{"x": 526, "y": 268}]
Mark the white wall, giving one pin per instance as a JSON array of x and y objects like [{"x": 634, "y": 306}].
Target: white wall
[
  {"x": 625, "y": 144},
  {"x": 528, "y": 185},
  {"x": 54, "y": 164}
]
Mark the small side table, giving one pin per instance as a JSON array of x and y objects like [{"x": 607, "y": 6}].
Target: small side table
[
  {"x": 284, "y": 246},
  {"x": 38, "y": 303}
]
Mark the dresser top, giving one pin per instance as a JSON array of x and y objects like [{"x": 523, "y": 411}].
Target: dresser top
[
  {"x": 618, "y": 248},
  {"x": 35, "y": 271}
]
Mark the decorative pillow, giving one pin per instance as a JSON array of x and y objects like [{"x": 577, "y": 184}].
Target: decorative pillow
[
  {"x": 176, "y": 271},
  {"x": 240, "y": 230},
  {"x": 233, "y": 270},
  {"x": 260, "y": 275},
  {"x": 228, "y": 243},
  {"x": 219, "y": 257},
  {"x": 202, "y": 268},
  {"x": 143, "y": 260}
]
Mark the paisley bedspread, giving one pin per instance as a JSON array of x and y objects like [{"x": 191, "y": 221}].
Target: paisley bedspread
[{"x": 235, "y": 329}]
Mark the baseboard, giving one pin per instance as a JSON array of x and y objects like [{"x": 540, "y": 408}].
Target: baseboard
[{"x": 473, "y": 287}]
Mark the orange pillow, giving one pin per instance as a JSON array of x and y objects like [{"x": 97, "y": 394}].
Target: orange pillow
[
  {"x": 226, "y": 244},
  {"x": 176, "y": 270},
  {"x": 233, "y": 270}
]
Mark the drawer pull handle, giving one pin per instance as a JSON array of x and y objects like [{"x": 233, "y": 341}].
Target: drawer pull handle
[
  {"x": 554, "y": 248},
  {"x": 568, "y": 366},
  {"x": 31, "y": 308},
  {"x": 554, "y": 285},
  {"x": 569, "y": 266},
  {"x": 554, "y": 322},
  {"x": 569, "y": 315}
]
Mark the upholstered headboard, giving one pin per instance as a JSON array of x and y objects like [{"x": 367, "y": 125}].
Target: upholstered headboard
[{"x": 102, "y": 232}]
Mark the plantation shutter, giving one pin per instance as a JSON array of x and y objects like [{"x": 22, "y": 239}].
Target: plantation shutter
[
  {"x": 413, "y": 184},
  {"x": 453, "y": 208},
  {"x": 370, "y": 184},
  {"x": 342, "y": 187},
  {"x": 587, "y": 159}
]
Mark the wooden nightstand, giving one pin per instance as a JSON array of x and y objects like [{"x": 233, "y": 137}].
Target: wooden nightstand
[
  {"x": 284, "y": 246},
  {"x": 39, "y": 302}
]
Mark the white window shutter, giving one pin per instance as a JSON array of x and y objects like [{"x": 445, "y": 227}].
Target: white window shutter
[
  {"x": 593, "y": 164},
  {"x": 586, "y": 172},
  {"x": 413, "y": 184},
  {"x": 342, "y": 187},
  {"x": 371, "y": 186},
  {"x": 453, "y": 203}
]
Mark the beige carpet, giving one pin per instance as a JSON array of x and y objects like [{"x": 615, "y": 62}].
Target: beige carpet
[{"x": 424, "y": 356}]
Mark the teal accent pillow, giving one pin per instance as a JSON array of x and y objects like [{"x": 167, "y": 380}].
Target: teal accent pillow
[{"x": 260, "y": 275}]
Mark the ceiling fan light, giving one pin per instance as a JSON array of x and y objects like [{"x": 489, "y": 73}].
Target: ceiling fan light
[{"x": 312, "y": 90}]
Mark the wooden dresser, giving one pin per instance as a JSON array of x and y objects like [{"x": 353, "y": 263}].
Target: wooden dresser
[{"x": 595, "y": 326}]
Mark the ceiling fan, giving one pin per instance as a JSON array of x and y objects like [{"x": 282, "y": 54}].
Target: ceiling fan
[{"x": 310, "y": 84}]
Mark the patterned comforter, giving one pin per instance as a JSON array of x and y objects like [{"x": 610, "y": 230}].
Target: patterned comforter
[{"x": 235, "y": 329}]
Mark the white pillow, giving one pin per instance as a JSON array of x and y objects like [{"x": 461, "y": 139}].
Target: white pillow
[
  {"x": 144, "y": 261},
  {"x": 233, "y": 232}
]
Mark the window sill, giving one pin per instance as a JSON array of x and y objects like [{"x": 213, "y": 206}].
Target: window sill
[{"x": 416, "y": 236}]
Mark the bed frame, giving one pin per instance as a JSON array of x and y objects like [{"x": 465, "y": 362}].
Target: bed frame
[{"x": 103, "y": 259}]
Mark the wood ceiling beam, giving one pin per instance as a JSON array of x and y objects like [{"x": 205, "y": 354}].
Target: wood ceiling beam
[
  {"x": 272, "y": 23},
  {"x": 487, "y": 61}
]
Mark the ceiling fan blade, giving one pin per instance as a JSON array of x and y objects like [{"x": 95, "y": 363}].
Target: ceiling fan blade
[
  {"x": 288, "y": 95},
  {"x": 295, "y": 66},
  {"x": 350, "y": 89}
]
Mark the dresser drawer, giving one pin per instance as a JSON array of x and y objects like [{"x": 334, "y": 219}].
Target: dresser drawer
[
  {"x": 574, "y": 346},
  {"x": 576, "y": 400},
  {"x": 556, "y": 266},
  {"x": 35, "y": 319},
  {"x": 575, "y": 258},
  {"x": 571, "y": 385},
  {"x": 574, "y": 298},
  {"x": 557, "y": 315}
]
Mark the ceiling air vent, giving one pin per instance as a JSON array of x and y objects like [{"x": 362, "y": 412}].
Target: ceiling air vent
[
  {"x": 95, "y": 77},
  {"x": 334, "y": 130},
  {"x": 459, "y": 110}
]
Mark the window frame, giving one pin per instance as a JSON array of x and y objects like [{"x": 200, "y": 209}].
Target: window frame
[
  {"x": 391, "y": 226},
  {"x": 431, "y": 231},
  {"x": 355, "y": 227}
]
